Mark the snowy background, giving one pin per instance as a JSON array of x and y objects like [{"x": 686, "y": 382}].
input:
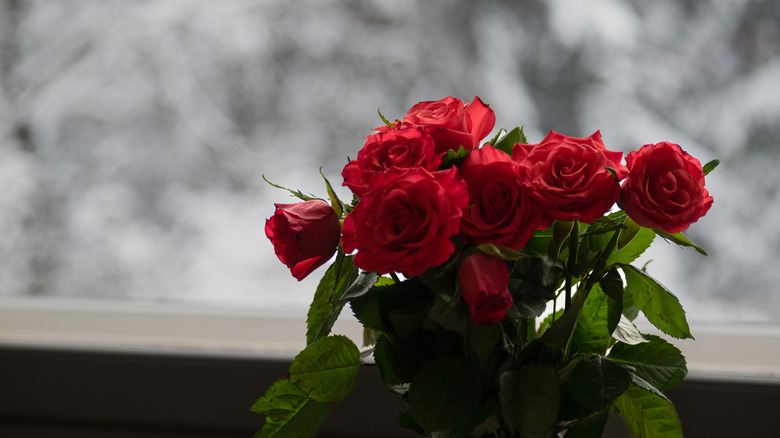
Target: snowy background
[{"x": 133, "y": 135}]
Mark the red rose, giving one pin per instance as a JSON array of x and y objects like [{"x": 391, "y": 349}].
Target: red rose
[
  {"x": 664, "y": 188},
  {"x": 405, "y": 220},
  {"x": 305, "y": 235},
  {"x": 500, "y": 211},
  {"x": 401, "y": 148},
  {"x": 483, "y": 283},
  {"x": 451, "y": 124},
  {"x": 569, "y": 176}
]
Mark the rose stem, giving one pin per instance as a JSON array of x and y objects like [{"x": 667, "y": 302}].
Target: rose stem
[{"x": 574, "y": 239}]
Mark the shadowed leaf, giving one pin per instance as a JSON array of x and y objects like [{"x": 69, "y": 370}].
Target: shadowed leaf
[
  {"x": 327, "y": 369},
  {"x": 659, "y": 305}
]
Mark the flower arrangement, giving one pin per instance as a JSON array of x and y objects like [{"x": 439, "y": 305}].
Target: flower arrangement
[{"x": 494, "y": 281}]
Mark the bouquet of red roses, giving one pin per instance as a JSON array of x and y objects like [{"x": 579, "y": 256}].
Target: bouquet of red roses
[{"x": 450, "y": 253}]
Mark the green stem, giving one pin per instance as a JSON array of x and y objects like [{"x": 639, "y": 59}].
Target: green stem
[
  {"x": 574, "y": 240},
  {"x": 519, "y": 344},
  {"x": 527, "y": 325},
  {"x": 584, "y": 288},
  {"x": 600, "y": 267}
]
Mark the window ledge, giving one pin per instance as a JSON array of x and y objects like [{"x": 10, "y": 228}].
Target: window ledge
[
  {"x": 119, "y": 326},
  {"x": 730, "y": 353}
]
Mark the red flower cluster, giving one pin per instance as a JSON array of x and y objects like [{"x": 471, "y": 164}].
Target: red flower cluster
[{"x": 414, "y": 206}]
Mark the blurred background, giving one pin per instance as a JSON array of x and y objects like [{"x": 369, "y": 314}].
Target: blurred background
[{"x": 134, "y": 135}]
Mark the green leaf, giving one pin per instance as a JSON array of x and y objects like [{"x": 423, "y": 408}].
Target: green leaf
[
  {"x": 564, "y": 373},
  {"x": 612, "y": 285},
  {"x": 522, "y": 138},
  {"x": 644, "y": 384},
  {"x": 507, "y": 142},
  {"x": 407, "y": 421},
  {"x": 591, "y": 426},
  {"x": 539, "y": 352},
  {"x": 482, "y": 340},
  {"x": 366, "y": 310},
  {"x": 614, "y": 314},
  {"x": 630, "y": 310},
  {"x": 449, "y": 313},
  {"x": 658, "y": 362},
  {"x": 595, "y": 238},
  {"x": 480, "y": 423},
  {"x": 630, "y": 229},
  {"x": 647, "y": 415},
  {"x": 327, "y": 369},
  {"x": 530, "y": 399},
  {"x": 289, "y": 412},
  {"x": 444, "y": 394},
  {"x": 501, "y": 251},
  {"x": 633, "y": 248},
  {"x": 627, "y": 333},
  {"x": 363, "y": 283},
  {"x": 659, "y": 305},
  {"x": 539, "y": 243},
  {"x": 528, "y": 302},
  {"x": 597, "y": 381},
  {"x": 559, "y": 334},
  {"x": 561, "y": 230},
  {"x": 407, "y": 321},
  {"x": 370, "y": 336},
  {"x": 680, "y": 239},
  {"x": 380, "y": 357},
  {"x": 591, "y": 334},
  {"x": 335, "y": 202},
  {"x": 532, "y": 284},
  {"x": 454, "y": 158},
  {"x": 709, "y": 167},
  {"x": 384, "y": 119},
  {"x": 297, "y": 193},
  {"x": 396, "y": 365},
  {"x": 548, "y": 321},
  {"x": 398, "y": 308},
  {"x": 493, "y": 140},
  {"x": 384, "y": 281},
  {"x": 325, "y": 309}
]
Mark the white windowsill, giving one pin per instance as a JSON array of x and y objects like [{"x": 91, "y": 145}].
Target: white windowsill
[
  {"x": 117, "y": 326},
  {"x": 729, "y": 353}
]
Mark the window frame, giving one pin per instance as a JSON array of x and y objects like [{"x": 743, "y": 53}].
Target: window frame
[{"x": 104, "y": 369}]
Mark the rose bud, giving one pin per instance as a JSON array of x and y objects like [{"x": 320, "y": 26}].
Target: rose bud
[
  {"x": 305, "y": 235},
  {"x": 664, "y": 188},
  {"x": 484, "y": 283}
]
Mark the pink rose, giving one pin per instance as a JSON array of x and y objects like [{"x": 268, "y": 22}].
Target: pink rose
[
  {"x": 401, "y": 148},
  {"x": 484, "y": 283},
  {"x": 500, "y": 211},
  {"x": 569, "y": 176},
  {"x": 664, "y": 188},
  {"x": 305, "y": 235},
  {"x": 405, "y": 220},
  {"x": 452, "y": 123}
]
